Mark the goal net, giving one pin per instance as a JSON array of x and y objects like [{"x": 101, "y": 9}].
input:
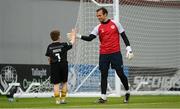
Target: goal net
[
  {"x": 153, "y": 30},
  {"x": 86, "y": 54}
]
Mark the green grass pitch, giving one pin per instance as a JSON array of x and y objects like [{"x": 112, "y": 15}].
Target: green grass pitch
[{"x": 137, "y": 102}]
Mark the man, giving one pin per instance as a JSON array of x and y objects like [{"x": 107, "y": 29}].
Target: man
[
  {"x": 110, "y": 54},
  {"x": 57, "y": 56}
]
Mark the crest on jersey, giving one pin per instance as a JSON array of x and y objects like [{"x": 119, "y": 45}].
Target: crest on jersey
[
  {"x": 112, "y": 26},
  {"x": 8, "y": 75}
]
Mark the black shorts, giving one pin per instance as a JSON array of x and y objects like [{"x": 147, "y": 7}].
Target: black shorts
[
  {"x": 59, "y": 72},
  {"x": 114, "y": 59}
]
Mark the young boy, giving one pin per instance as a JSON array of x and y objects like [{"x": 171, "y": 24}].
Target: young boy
[{"x": 57, "y": 57}]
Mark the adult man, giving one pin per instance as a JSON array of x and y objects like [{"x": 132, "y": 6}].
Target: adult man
[
  {"x": 57, "y": 56},
  {"x": 108, "y": 32}
]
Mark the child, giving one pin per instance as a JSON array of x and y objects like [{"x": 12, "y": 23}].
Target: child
[{"x": 57, "y": 57}]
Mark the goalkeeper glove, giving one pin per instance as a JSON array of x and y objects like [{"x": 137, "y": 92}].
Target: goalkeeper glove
[
  {"x": 78, "y": 36},
  {"x": 129, "y": 53}
]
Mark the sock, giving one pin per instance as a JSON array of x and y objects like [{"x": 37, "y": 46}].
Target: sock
[
  {"x": 63, "y": 96},
  {"x": 63, "y": 93},
  {"x": 56, "y": 95}
]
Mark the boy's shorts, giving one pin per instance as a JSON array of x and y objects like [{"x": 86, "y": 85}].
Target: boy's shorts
[{"x": 59, "y": 72}]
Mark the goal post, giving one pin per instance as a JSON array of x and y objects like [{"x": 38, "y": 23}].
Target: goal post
[{"x": 85, "y": 23}]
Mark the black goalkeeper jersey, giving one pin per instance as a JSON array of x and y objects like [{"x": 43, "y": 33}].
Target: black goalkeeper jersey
[{"x": 57, "y": 51}]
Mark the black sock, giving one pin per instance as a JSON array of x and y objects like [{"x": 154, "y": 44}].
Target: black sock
[
  {"x": 104, "y": 75},
  {"x": 123, "y": 78}
]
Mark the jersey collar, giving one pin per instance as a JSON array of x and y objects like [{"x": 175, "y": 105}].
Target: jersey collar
[{"x": 106, "y": 22}]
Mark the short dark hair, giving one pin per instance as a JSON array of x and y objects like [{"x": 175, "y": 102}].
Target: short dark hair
[
  {"x": 104, "y": 10},
  {"x": 55, "y": 35}
]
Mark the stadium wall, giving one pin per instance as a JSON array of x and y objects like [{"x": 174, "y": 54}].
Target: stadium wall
[{"x": 25, "y": 26}]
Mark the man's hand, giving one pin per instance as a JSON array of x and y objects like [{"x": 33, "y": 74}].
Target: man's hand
[
  {"x": 78, "y": 36},
  {"x": 129, "y": 53},
  {"x": 71, "y": 35}
]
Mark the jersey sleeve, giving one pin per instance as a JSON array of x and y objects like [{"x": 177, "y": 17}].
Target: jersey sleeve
[
  {"x": 67, "y": 46},
  {"x": 95, "y": 30},
  {"x": 119, "y": 26},
  {"x": 47, "y": 52}
]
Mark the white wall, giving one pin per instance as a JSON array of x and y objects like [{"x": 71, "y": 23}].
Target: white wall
[{"x": 25, "y": 26}]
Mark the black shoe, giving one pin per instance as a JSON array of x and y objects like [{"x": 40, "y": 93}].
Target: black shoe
[
  {"x": 101, "y": 101},
  {"x": 127, "y": 96}
]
